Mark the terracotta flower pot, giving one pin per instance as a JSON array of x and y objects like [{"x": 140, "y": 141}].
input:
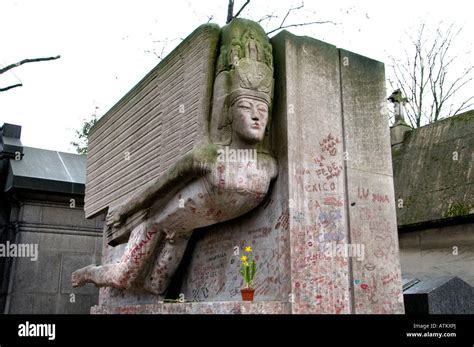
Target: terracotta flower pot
[{"x": 247, "y": 294}]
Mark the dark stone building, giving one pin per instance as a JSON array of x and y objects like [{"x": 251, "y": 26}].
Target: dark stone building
[{"x": 44, "y": 235}]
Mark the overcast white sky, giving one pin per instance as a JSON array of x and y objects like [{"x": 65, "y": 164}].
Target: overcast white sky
[{"x": 103, "y": 46}]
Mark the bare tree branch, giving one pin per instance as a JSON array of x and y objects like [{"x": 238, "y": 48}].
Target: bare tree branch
[
  {"x": 242, "y": 8},
  {"x": 464, "y": 106},
  {"x": 267, "y": 16},
  {"x": 426, "y": 76},
  {"x": 291, "y": 9},
  {"x": 25, "y": 61},
  {"x": 230, "y": 11},
  {"x": 11, "y": 87},
  {"x": 300, "y": 24}
]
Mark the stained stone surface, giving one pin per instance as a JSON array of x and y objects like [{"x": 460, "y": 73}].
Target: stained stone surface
[
  {"x": 334, "y": 191},
  {"x": 442, "y": 154},
  {"x": 370, "y": 199},
  {"x": 223, "y": 307}
]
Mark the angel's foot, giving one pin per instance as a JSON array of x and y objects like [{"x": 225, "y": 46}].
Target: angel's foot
[{"x": 81, "y": 276}]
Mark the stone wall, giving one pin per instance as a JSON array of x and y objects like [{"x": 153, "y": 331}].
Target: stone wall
[
  {"x": 66, "y": 241},
  {"x": 441, "y": 251},
  {"x": 433, "y": 171}
]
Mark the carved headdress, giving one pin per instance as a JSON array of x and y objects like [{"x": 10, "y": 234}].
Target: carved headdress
[{"x": 244, "y": 68}]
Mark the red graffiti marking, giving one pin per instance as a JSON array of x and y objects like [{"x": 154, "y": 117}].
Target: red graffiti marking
[
  {"x": 389, "y": 278},
  {"x": 364, "y": 286},
  {"x": 366, "y": 213},
  {"x": 320, "y": 160},
  {"x": 136, "y": 252},
  {"x": 379, "y": 226},
  {"x": 380, "y": 198},
  {"x": 283, "y": 220},
  {"x": 320, "y": 279},
  {"x": 313, "y": 204},
  {"x": 383, "y": 247},
  {"x": 320, "y": 187},
  {"x": 329, "y": 170},
  {"x": 362, "y": 193},
  {"x": 332, "y": 201},
  {"x": 221, "y": 169},
  {"x": 329, "y": 143},
  {"x": 302, "y": 171},
  {"x": 356, "y": 232}
]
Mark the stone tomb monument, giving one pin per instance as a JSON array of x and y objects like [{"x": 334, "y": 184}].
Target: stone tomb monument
[{"x": 236, "y": 140}]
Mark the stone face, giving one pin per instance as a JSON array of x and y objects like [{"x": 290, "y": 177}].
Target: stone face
[{"x": 440, "y": 295}]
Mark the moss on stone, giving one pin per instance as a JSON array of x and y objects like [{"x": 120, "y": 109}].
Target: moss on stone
[
  {"x": 457, "y": 210},
  {"x": 396, "y": 152},
  {"x": 463, "y": 117},
  {"x": 409, "y": 201},
  {"x": 207, "y": 153}
]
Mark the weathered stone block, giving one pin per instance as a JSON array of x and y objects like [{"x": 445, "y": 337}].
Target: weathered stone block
[
  {"x": 218, "y": 307},
  {"x": 66, "y": 242},
  {"x": 20, "y": 304},
  {"x": 441, "y": 295},
  {"x": 41, "y": 276}
]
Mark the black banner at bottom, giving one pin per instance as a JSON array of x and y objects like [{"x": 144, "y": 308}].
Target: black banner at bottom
[{"x": 396, "y": 330}]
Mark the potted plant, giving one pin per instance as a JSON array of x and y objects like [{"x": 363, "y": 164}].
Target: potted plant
[{"x": 248, "y": 272}]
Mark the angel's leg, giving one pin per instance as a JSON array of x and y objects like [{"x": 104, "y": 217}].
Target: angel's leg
[
  {"x": 166, "y": 263},
  {"x": 141, "y": 245}
]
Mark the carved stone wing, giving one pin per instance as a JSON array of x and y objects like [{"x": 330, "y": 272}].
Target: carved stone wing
[{"x": 162, "y": 118}]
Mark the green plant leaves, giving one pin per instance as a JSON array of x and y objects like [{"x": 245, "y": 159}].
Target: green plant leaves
[{"x": 249, "y": 268}]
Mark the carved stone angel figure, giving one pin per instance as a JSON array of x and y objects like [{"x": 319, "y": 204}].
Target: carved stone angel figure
[{"x": 202, "y": 188}]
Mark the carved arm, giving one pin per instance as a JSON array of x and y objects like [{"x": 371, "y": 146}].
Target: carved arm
[{"x": 194, "y": 164}]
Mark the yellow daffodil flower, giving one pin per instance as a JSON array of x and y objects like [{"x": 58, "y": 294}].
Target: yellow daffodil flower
[
  {"x": 248, "y": 249},
  {"x": 244, "y": 258}
]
